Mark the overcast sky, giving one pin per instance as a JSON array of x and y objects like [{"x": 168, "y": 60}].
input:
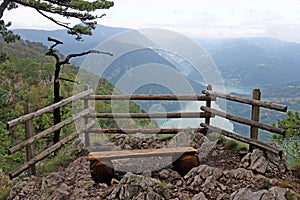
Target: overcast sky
[{"x": 195, "y": 18}]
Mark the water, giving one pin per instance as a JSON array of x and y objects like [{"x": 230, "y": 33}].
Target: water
[{"x": 194, "y": 106}]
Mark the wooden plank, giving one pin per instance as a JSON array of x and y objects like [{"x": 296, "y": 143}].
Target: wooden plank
[
  {"x": 255, "y": 116},
  {"x": 151, "y": 115},
  {"x": 86, "y": 120},
  {"x": 47, "y": 109},
  {"x": 253, "y": 142},
  {"x": 48, "y": 151},
  {"x": 140, "y": 153},
  {"x": 244, "y": 121},
  {"x": 166, "y": 97},
  {"x": 144, "y": 131},
  {"x": 273, "y": 106},
  {"x": 48, "y": 131},
  {"x": 29, "y": 134}
]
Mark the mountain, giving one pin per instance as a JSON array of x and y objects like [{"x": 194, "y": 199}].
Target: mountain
[
  {"x": 88, "y": 42},
  {"x": 255, "y": 62}
]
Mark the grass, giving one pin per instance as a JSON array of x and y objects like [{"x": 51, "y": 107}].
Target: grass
[
  {"x": 51, "y": 164},
  {"x": 285, "y": 184},
  {"x": 164, "y": 137},
  {"x": 162, "y": 188},
  {"x": 266, "y": 185},
  {"x": 295, "y": 166},
  {"x": 49, "y": 191},
  {"x": 4, "y": 187},
  {"x": 292, "y": 196},
  {"x": 229, "y": 143}
]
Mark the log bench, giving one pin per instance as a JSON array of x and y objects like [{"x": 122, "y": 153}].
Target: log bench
[{"x": 102, "y": 169}]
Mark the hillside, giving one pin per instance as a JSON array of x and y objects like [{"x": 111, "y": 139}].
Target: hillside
[
  {"x": 27, "y": 77},
  {"x": 241, "y": 61}
]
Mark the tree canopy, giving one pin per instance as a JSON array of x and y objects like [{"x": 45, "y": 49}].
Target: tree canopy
[
  {"x": 290, "y": 141},
  {"x": 82, "y": 10}
]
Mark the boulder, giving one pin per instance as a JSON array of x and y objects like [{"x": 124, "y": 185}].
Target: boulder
[{"x": 138, "y": 187}]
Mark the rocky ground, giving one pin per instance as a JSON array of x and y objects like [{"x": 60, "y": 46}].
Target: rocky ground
[{"x": 223, "y": 173}]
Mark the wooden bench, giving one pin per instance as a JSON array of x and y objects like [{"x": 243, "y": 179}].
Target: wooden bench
[
  {"x": 102, "y": 168},
  {"x": 104, "y": 155}
]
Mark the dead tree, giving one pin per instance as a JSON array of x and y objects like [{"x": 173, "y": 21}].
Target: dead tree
[{"x": 58, "y": 65}]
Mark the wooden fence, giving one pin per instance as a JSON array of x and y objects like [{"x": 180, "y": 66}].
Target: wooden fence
[
  {"x": 206, "y": 112},
  {"x": 28, "y": 143}
]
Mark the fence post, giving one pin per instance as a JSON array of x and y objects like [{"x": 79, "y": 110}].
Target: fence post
[
  {"x": 208, "y": 104},
  {"x": 29, "y": 134},
  {"x": 86, "y": 120},
  {"x": 255, "y": 116}
]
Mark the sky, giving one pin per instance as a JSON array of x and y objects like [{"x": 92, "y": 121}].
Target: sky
[{"x": 195, "y": 18}]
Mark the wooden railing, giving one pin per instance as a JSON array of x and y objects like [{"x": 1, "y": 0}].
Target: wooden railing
[
  {"x": 151, "y": 97},
  {"x": 253, "y": 123},
  {"x": 32, "y": 159},
  {"x": 206, "y": 112}
]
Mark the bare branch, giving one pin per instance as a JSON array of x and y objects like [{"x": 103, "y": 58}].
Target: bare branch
[
  {"x": 62, "y": 24},
  {"x": 3, "y": 6},
  {"x": 69, "y": 80},
  {"x": 66, "y": 61}
]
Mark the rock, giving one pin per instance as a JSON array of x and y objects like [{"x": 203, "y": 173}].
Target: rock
[
  {"x": 182, "y": 139},
  {"x": 206, "y": 147},
  {"x": 274, "y": 193},
  {"x": 277, "y": 193},
  {"x": 198, "y": 140},
  {"x": 210, "y": 183},
  {"x": 261, "y": 162},
  {"x": 260, "y": 165},
  {"x": 136, "y": 187},
  {"x": 164, "y": 174},
  {"x": 147, "y": 173},
  {"x": 246, "y": 193},
  {"x": 241, "y": 173},
  {"x": 199, "y": 196}
]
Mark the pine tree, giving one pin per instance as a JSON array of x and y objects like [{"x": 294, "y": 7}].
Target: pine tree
[{"x": 69, "y": 8}]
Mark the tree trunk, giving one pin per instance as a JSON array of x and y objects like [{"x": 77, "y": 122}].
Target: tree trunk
[{"x": 56, "y": 113}]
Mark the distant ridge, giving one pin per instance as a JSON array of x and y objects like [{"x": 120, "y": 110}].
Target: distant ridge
[{"x": 255, "y": 62}]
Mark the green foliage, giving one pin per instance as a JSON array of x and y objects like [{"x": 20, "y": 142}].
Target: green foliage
[
  {"x": 290, "y": 141},
  {"x": 229, "y": 143},
  {"x": 4, "y": 187},
  {"x": 6, "y": 34},
  {"x": 53, "y": 163},
  {"x": 80, "y": 9},
  {"x": 266, "y": 185}
]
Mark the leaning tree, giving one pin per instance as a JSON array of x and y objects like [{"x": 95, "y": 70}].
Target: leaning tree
[
  {"x": 82, "y": 10},
  {"x": 58, "y": 65},
  {"x": 85, "y": 11}
]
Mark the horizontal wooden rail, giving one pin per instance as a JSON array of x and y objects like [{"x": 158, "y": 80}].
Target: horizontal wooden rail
[
  {"x": 47, "y": 109},
  {"x": 273, "y": 106},
  {"x": 48, "y": 131},
  {"x": 140, "y": 153},
  {"x": 244, "y": 121},
  {"x": 151, "y": 97},
  {"x": 150, "y": 115},
  {"x": 48, "y": 151},
  {"x": 251, "y": 141},
  {"x": 144, "y": 131}
]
